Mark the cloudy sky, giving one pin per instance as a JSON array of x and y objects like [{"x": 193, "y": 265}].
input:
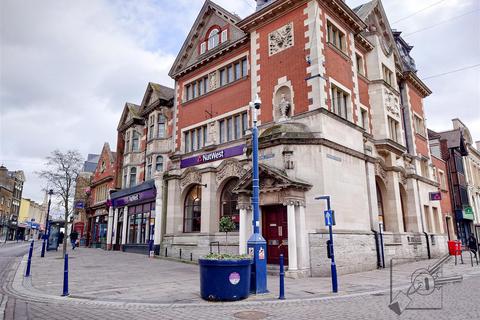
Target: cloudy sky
[{"x": 68, "y": 67}]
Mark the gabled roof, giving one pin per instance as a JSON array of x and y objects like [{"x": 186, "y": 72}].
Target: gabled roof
[
  {"x": 181, "y": 62},
  {"x": 130, "y": 114},
  {"x": 156, "y": 94},
  {"x": 365, "y": 9}
]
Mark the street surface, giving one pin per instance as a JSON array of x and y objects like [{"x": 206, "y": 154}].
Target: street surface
[{"x": 115, "y": 285}]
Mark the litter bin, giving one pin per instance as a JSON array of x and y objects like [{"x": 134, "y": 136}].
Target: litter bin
[
  {"x": 455, "y": 247},
  {"x": 224, "y": 280}
]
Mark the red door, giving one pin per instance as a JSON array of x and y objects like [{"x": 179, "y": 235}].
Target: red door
[{"x": 275, "y": 232}]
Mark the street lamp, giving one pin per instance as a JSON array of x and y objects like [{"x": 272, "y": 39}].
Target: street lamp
[
  {"x": 257, "y": 246},
  {"x": 46, "y": 235}
]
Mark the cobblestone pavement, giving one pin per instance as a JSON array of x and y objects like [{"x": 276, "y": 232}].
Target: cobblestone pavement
[{"x": 460, "y": 301}]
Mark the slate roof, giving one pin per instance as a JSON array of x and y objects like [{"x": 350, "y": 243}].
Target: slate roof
[
  {"x": 363, "y": 11},
  {"x": 162, "y": 92}
]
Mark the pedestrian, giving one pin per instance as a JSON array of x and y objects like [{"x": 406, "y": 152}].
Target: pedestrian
[
  {"x": 73, "y": 238},
  {"x": 60, "y": 237},
  {"x": 472, "y": 244}
]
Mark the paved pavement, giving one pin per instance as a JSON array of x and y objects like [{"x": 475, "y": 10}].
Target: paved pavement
[{"x": 114, "y": 285}]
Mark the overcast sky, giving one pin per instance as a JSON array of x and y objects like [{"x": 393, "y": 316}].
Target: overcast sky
[{"x": 68, "y": 67}]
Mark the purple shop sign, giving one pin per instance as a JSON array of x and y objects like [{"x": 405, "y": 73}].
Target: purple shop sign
[
  {"x": 136, "y": 197},
  {"x": 213, "y": 156}
]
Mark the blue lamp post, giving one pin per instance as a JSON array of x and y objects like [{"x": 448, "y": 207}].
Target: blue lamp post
[
  {"x": 257, "y": 246},
  {"x": 47, "y": 227}
]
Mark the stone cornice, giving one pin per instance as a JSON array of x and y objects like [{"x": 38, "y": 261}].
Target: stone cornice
[
  {"x": 390, "y": 145},
  {"x": 364, "y": 43},
  {"x": 418, "y": 84}
]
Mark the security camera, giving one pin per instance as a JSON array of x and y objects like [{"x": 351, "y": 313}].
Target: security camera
[{"x": 257, "y": 103}]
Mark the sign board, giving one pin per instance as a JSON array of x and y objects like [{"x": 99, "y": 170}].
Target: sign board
[
  {"x": 212, "y": 156},
  {"x": 79, "y": 205},
  {"x": 468, "y": 213},
  {"x": 435, "y": 196},
  {"x": 141, "y": 196},
  {"x": 329, "y": 218}
]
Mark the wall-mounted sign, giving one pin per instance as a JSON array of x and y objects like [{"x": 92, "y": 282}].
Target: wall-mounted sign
[
  {"x": 79, "y": 205},
  {"x": 136, "y": 197},
  {"x": 435, "y": 196},
  {"x": 468, "y": 213},
  {"x": 213, "y": 156}
]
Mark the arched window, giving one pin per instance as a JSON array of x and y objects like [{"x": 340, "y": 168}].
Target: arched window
[
  {"x": 159, "y": 164},
  {"x": 135, "y": 140},
  {"x": 213, "y": 39},
  {"x": 161, "y": 126},
  {"x": 381, "y": 216},
  {"x": 193, "y": 209},
  {"x": 133, "y": 176},
  {"x": 229, "y": 202}
]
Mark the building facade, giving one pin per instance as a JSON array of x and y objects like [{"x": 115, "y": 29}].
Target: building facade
[
  {"x": 103, "y": 181},
  {"x": 342, "y": 114},
  {"x": 6, "y": 196},
  {"x": 12, "y": 180},
  {"x": 144, "y": 144}
]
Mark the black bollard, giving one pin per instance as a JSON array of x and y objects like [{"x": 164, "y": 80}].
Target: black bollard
[
  {"x": 65, "y": 277},
  {"x": 180, "y": 254},
  {"x": 29, "y": 263}
]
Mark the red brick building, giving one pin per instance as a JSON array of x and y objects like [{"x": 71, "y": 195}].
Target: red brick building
[{"x": 103, "y": 181}]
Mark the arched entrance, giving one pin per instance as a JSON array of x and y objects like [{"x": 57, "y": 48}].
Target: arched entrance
[{"x": 192, "y": 209}]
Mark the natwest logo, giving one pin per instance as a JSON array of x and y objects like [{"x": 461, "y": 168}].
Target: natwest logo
[{"x": 212, "y": 156}]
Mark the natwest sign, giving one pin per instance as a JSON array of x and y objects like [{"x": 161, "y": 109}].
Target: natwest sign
[{"x": 212, "y": 156}]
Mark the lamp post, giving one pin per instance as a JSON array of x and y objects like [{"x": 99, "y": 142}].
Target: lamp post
[
  {"x": 257, "y": 246},
  {"x": 46, "y": 235}
]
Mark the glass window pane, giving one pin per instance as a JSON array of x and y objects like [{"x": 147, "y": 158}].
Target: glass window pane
[
  {"x": 244, "y": 67},
  {"x": 222, "y": 131},
  {"x": 238, "y": 127},
  {"x": 238, "y": 71},
  {"x": 187, "y": 141},
  {"x": 244, "y": 123},
  {"x": 194, "y": 140},
  {"x": 230, "y": 74},
  {"x": 229, "y": 129},
  {"x": 222, "y": 77}
]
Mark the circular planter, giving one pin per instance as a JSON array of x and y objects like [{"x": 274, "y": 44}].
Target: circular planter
[{"x": 224, "y": 280}]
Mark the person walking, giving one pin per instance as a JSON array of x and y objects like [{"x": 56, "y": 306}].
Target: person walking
[
  {"x": 472, "y": 244},
  {"x": 73, "y": 238}
]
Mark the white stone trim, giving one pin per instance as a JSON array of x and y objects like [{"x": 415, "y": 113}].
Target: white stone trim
[
  {"x": 356, "y": 99},
  {"x": 332, "y": 21},
  {"x": 314, "y": 36},
  {"x": 254, "y": 64}
]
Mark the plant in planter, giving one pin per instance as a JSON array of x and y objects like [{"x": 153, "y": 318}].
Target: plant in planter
[
  {"x": 226, "y": 225},
  {"x": 225, "y": 277}
]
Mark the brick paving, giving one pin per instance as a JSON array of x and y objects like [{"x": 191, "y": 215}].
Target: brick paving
[{"x": 106, "y": 298}]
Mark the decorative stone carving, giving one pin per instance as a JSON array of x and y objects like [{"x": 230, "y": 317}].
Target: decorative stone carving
[
  {"x": 212, "y": 80},
  {"x": 231, "y": 168},
  {"x": 380, "y": 171},
  {"x": 212, "y": 133},
  {"x": 281, "y": 39},
  {"x": 193, "y": 177},
  {"x": 392, "y": 103},
  {"x": 294, "y": 202},
  {"x": 284, "y": 107},
  {"x": 403, "y": 178}
]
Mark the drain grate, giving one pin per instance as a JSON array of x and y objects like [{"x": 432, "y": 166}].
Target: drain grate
[{"x": 251, "y": 315}]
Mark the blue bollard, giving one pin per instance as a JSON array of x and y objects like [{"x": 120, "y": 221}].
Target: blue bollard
[
  {"x": 65, "y": 277},
  {"x": 29, "y": 263},
  {"x": 282, "y": 279},
  {"x": 44, "y": 244}
]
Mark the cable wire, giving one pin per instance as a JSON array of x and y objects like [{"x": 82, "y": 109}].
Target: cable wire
[
  {"x": 417, "y": 12},
  {"x": 452, "y": 71},
  {"x": 442, "y": 22}
]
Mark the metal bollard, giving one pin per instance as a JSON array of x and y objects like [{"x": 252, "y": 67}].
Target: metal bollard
[
  {"x": 282, "y": 279},
  {"x": 29, "y": 263},
  {"x": 166, "y": 252},
  {"x": 44, "y": 244},
  {"x": 65, "y": 277},
  {"x": 191, "y": 256},
  {"x": 180, "y": 252}
]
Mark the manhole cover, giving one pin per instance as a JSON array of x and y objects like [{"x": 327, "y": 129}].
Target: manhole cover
[{"x": 251, "y": 315}]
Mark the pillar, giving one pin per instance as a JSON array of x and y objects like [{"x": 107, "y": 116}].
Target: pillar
[
  {"x": 302, "y": 247},
  {"x": 109, "y": 228},
  {"x": 125, "y": 225},
  {"x": 115, "y": 224},
  {"x": 392, "y": 204},
  {"x": 159, "y": 218},
  {"x": 210, "y": 215},
  {"x": 292, "y": 238}
]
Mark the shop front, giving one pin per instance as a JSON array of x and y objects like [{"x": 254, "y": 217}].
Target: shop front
[
  {"x": 98, "y": 229},
  {"x": 133, "y": 224}
]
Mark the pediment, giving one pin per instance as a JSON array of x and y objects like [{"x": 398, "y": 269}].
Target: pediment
[
  {"x": 106, "y": 159},
  {"x": 271, "y": 180},
  {"x": 211, "y": 16}
]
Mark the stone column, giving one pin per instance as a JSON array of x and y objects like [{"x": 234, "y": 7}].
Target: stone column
[
  {"x": 393, "y": 207},
  {"x": 242, "y": 234},
  {"x": 159, "y": 217},
  {"x": 302, "y": 247},
  {"x": 174, "y": 219},
  {"x": 210, "y": 214},
  {"x": 109, "y": 228},
  {"x": 114, "y": 229},
  {"x": 292, "y": 238},
  {"x": 125, "y": 225}
]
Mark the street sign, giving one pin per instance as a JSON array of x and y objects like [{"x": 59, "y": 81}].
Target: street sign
[
  {"x": 435, "y": 196},
  {"x": 329, "y": 218}
]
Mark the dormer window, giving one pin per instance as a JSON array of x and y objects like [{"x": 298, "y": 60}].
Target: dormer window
[{"x": 213, "y": 38}]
